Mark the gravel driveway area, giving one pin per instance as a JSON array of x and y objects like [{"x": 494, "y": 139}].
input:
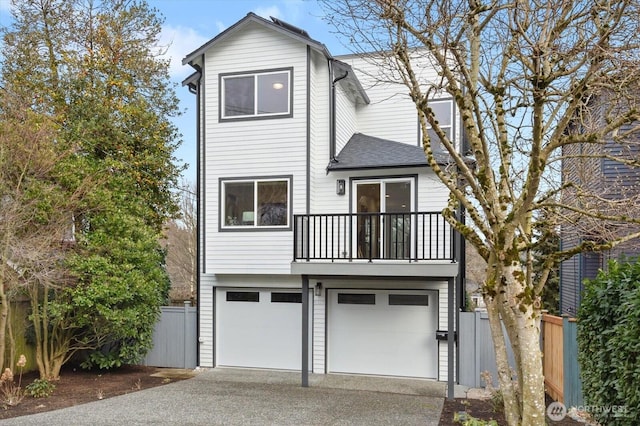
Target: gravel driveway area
[{"x": 255, "y": 397}]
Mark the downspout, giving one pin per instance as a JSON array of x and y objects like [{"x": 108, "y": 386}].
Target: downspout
[
  {"x": 332, "y": 111},
  {"x": 304, "y": 369},
  {"x": 462, "y": 284},
  {"x": 462, "y": 259}
]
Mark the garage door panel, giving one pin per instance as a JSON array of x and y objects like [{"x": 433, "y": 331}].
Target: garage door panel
[
  {"x": 259, "y": 334},
  {"x": 387, "y": 339}
]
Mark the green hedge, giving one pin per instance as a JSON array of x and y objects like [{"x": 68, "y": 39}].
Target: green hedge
[{"x": 609, "y": 344}]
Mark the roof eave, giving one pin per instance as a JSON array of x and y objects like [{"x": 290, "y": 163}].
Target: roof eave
[
  {"x": 331, "y": 168},
  {"x": 252, "y": 17}
]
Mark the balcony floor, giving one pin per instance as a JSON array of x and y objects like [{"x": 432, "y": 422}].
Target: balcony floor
[{"x": 379, "y": 268}]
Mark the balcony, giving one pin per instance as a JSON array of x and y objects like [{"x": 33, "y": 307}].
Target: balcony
[{"x": 396, "y": 243}]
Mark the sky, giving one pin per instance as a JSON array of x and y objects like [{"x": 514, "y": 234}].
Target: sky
[{"x": 191, "y": 23}]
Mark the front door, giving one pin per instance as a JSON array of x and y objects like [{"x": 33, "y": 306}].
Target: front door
[{"x": 383, "y": 219}]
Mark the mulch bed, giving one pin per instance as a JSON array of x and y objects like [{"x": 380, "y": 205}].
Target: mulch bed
[
  {"x": 77, "y": 386},
  {"x": 484, "y": 410}
]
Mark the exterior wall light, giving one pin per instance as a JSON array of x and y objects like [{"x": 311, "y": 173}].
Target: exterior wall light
[{"x": 340, "y": 187}]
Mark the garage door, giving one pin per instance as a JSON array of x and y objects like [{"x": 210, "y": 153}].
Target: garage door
[
  {"x": 385, "y": 332},
  {"x": 259, "y": 328}
]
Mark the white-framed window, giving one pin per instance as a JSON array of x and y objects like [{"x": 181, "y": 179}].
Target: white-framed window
[
  {"x": 255, "y": 203},
  {"x": 252, "y": 95},
  {"x": 443, "y": 110}
]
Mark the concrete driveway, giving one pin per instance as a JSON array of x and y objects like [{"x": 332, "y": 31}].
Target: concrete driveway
[{"x": 255, "y": 397}]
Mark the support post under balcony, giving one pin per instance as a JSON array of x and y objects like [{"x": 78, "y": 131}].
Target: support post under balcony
[{"x": 305, "y": 331}]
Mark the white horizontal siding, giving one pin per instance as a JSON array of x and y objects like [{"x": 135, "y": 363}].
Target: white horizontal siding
[
  {"x": 319, "y": 335},
  {"x": 254, "y": 148},
  {"x": 319, "y": 123},
  {"x": 262, "y": 281},
  {"x": 346, "y": 120},
  {"x": 443, "y": 324},
  {"x": 205, "y": 310},
  {"x": 432, "y": 194},
  {"x": 390, "y": 114}
]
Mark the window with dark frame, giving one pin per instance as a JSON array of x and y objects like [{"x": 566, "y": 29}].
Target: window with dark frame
[
  {"x": 443, "y": 110},
  {"x": 356, "y": 298},
  {"x": 243, "y": 296},
  {"x": 408, "y": 300},
  {"x": 255, "y": 203},
  {"x": 283, "y": 297},
  {"x": 256, "y": 95}
]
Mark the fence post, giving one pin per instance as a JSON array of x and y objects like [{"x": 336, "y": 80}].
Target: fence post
[
  {"x": 572, "y": 383},
  {"x": 187, "y": 304}
]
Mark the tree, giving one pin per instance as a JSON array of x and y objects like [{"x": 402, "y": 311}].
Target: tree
[
  {"x": 181, "y": 240},
  {"x": 94, "y": 66},
  {"x": 33, "y": 205},
  {"x": 548, "y": 246},
  {"x": 522, "y": 75}
]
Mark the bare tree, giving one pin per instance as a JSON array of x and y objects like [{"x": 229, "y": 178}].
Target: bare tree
[
  {"x": 522, "y": 75},
  {"x": 35, "y": 211},
  {"x": 181, "y": 243}
]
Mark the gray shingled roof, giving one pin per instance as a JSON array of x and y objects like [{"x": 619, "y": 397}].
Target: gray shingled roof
[{"x": 368, "y": 152}]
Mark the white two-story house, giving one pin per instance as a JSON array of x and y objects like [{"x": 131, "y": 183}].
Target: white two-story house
[{"x": 314, "y": 187}]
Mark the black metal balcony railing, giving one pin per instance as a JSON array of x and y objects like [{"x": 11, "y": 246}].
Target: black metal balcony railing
[{"x": 390, "y": 236}]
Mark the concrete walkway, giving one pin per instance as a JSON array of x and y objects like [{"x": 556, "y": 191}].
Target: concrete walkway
[{"x": 256, "y": 397}]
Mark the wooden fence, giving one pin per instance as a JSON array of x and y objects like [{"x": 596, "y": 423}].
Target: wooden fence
[
  {"x": 560, "y": 361},
  {"x": 553, "y": 362}
]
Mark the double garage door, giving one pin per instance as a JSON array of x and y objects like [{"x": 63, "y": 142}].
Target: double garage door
[{"x": 382, "y": 332}]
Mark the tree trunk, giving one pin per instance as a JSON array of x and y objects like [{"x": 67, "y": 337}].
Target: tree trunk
[
  {"x": 523, "y": 392},
  {"x": 4, "y": 307},
  {"x": 4, "y": 313},
  {"x": 512, "y": 411},
  {"x": 532, "y": 380}
]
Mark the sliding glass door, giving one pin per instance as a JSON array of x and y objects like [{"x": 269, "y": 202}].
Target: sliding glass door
[{"x": 383, "y": 220}]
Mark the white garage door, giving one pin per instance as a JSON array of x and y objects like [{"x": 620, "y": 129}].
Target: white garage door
[
  {"x": 259, "y": 328},
  {"x": 385, "y": 332}
]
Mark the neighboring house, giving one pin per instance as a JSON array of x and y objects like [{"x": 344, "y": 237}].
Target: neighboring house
[
  {"x": 593, "y": 167},
  {"x": 313, "y": 181}
]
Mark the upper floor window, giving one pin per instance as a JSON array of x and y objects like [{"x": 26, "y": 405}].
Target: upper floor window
[
  {"x": 261, "y": 94},
  {"x": 443, "y": 110},
  {"x": 255, "y": 203}
]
